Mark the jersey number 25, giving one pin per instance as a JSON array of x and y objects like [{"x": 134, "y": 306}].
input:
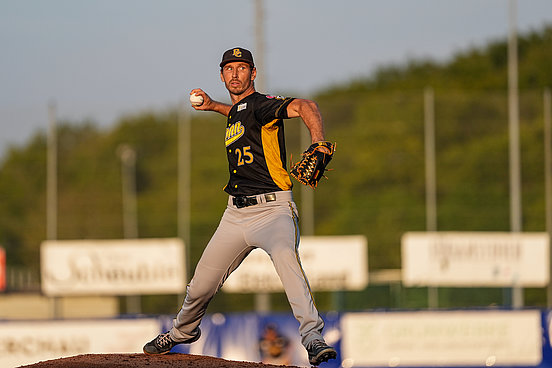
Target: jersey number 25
[{"x": 244, "y": 156}]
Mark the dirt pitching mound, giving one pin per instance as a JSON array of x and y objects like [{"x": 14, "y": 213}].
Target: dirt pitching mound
[{"x": 149, "y": 361}]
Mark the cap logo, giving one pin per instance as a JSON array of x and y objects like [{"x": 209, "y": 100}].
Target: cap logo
[{"x": 237, "y": 52}]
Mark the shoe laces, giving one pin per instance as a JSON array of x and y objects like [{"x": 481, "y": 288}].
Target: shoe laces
[
  {"x": 317, "y": 344},
  {"x": 164, "y": 339}
]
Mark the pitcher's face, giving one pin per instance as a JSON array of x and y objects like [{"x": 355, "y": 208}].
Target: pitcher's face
[{"x": 238, "y": 77}]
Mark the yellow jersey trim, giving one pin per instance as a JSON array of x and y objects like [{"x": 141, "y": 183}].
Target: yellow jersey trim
[{"x": 271, "y": 148}]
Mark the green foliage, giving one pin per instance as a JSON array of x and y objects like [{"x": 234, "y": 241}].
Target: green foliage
[
  {"x": 23, "y": 202},
  {"x": 377, "y": 187}
]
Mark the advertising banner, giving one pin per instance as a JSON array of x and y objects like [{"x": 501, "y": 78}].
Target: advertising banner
[
  {"x": 112, "y": 267},
  {"x": 475, "y": 259},
  {"x": 24, "y": 343},
  {"x": 448, "y": 338},
  {"x": 325, "y": 270}
]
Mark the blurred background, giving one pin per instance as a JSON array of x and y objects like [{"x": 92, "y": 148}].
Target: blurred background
[{"x": 439, "y": 110}]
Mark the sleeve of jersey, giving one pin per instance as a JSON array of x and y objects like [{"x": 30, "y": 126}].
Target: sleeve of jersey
[{"x": 274, "y": 108}]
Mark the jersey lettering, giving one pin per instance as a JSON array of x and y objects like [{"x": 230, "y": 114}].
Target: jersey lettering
[{"x": 233, "y": 133}]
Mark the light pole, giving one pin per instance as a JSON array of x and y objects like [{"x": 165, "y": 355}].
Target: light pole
[
  {"x": 514, "y": 150},
  {"x": 260, "y": 81},
  {"x": 51, "y": 183},
  {"x": 184, "y": 180},
  {"x": 430, "y": 174},
  {"x": 127, "y": 155},
  {"x": 51, "y": 190}
]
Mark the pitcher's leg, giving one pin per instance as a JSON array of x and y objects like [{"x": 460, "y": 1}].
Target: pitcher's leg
[
  {"x": 294, "y": 280},
  {"x": 223, "y": 254},
  {"x": 280, "y": 241}
]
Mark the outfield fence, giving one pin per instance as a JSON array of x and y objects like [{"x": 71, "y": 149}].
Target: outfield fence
[{"x": 408, "y": 338}]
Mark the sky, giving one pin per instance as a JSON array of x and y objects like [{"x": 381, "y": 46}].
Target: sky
[{"x": 99, "y": 60}]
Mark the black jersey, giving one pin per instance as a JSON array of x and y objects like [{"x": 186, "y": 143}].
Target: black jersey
[{"x": 255, "y": 145}]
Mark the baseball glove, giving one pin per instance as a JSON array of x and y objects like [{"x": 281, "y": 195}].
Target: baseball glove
[{"x": 310, "y": 169}]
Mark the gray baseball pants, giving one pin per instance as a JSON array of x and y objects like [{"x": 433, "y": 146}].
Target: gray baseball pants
[{"x": 270, "y": 225}]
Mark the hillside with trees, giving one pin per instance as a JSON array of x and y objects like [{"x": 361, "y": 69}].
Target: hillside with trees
[{"x": 377, "y": 187}]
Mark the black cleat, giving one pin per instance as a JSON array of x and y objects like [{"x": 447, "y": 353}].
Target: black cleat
[
  {"x": 163, "y": 343},
  {"x": 320, "y": 352}
]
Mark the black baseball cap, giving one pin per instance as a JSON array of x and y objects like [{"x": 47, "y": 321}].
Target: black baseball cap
[{"x": 237, "y": 54}]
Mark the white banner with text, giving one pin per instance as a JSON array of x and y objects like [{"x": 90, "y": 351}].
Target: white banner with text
[
  {"x": 472, "y": 259},
  {"x": 113, "y": 267},
  {"x": 24, "y": 343},
  {"x": 330, "y": 263},
  {"x": 444, "y": 338}
]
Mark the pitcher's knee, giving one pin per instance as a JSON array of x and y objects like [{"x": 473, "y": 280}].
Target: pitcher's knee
[{"x": 284, "y": 252}]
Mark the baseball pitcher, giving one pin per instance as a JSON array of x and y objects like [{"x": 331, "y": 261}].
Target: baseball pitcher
[{"x": 261, "y": 212}]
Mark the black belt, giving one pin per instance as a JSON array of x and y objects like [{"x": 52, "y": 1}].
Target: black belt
[{"x": 244, "y": 201}]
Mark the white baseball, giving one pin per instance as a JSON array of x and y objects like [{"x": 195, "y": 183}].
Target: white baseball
[{"x": 196, "y": 99}]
